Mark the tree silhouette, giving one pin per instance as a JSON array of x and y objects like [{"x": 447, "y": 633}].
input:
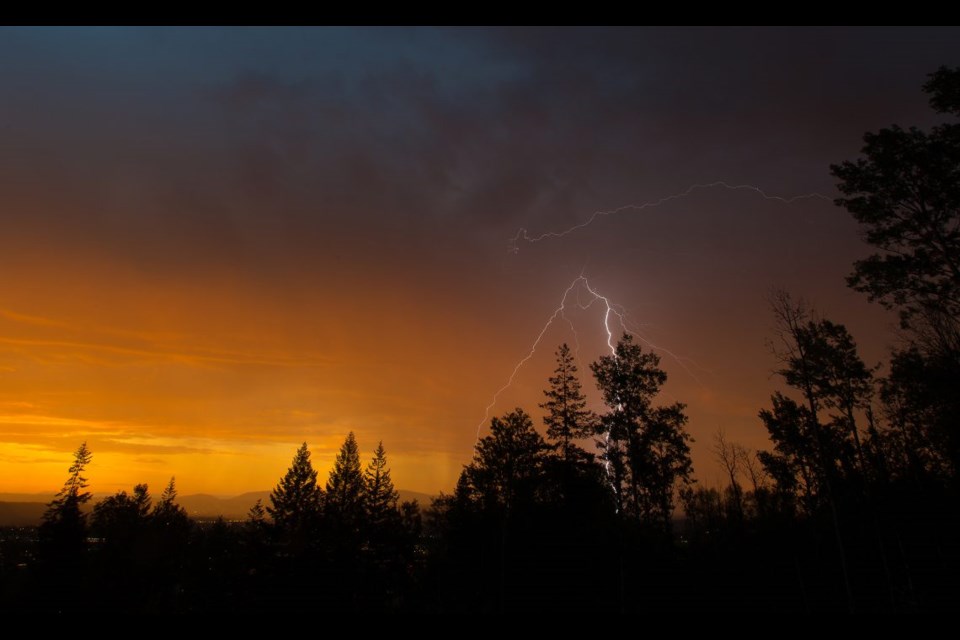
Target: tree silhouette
[
  {"x": 507, "y": 465},
  {"x": 820, "y": 359},
  {"x": 296, "y": 501},
  {"x": 646, "y": 447},
  {"x": 257, "y": 517},
  {"x": 567, "y": 416},
  {"x": 918, "y": 397},
  {"x": 825, "y": 374},
  {"x": 730, "y": 456},
  {"x": 120, "y": 518},
  {"x": 841, "y": 378},
  {"x": 803, "y": 353},
  {"x": 64, "y": 527},
  {"x": 170, "y": 529},
  {"x": 345, "y": 491},
  {"x": 906, "y": 192},
  {"x": 168, "y": 516},
  {"x": 795, "y": 464},
  {"x": 381, "y": 497},
  {"x": 126, "y": 547}
]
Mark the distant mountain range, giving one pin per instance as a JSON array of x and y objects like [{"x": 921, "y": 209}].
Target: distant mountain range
[{"x": 26, "y": 509}]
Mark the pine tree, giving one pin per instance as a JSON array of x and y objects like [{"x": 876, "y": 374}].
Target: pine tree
[
  {"x": 64, "y": 526},
  {"x": 645, "y": 447},
  {"x": 345, "y": 489},
  {"x": 296, "y": 500},
  {"x": 507, "y": 467},
  {"x": 170, "y": 520},
  {"x": 381, "y": 497},
  {"x": 385, "y": 556},
  {"x": 73, "y": 491},
  {"x": 167, "y": 506},
  {"x": 141, "y": 498},
  {"x": 168, "y": 496},
  {"x": 567, "y": 415}
]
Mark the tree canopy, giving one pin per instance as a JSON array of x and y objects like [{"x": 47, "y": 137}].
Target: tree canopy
[
  {"x": 645, "y": 447},
  {"x": 905, "y": 192}
]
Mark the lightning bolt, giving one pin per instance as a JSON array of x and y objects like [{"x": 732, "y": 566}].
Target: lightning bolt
[
  {"x": 533, "y": 349},
  {"x": 580, "y": 285},
  {"x": 522, "y": 235}
]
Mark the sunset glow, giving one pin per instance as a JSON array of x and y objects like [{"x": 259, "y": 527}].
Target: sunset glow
[{"x": 217, "y": 244}]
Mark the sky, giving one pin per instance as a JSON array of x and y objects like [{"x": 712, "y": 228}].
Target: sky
[{"x": 218, "y": 243}]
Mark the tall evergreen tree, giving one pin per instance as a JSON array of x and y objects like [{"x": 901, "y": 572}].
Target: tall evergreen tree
[
  {"x": 345, "y": 489},
  {"x": 64, "y": 526},
  {"x": 645, "y": 447},
  {"x": 170, "y": 527},
  {"x": 387, "y": 544},
  {"x": 567, "y": 416},
  {"x": 381, "y": 497},
  {"x": 296, "y": 501},
  {"x": 167, "y": 514},
  {"x": 507, "y": 466}
]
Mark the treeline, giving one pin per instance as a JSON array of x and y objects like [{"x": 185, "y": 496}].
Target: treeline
[
  {"x": 856, "y": 500},
  {"x": 854, "y": 506},
  {"x": 859, "y": 492},
  {"x": 349, "y": 543}
]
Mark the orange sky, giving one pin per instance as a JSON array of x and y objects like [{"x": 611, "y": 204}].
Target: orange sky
[
  {"x": 215, "y": 244},
  {"x": 215, "y": 379},
  {"x": 210, "y": 383}
]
